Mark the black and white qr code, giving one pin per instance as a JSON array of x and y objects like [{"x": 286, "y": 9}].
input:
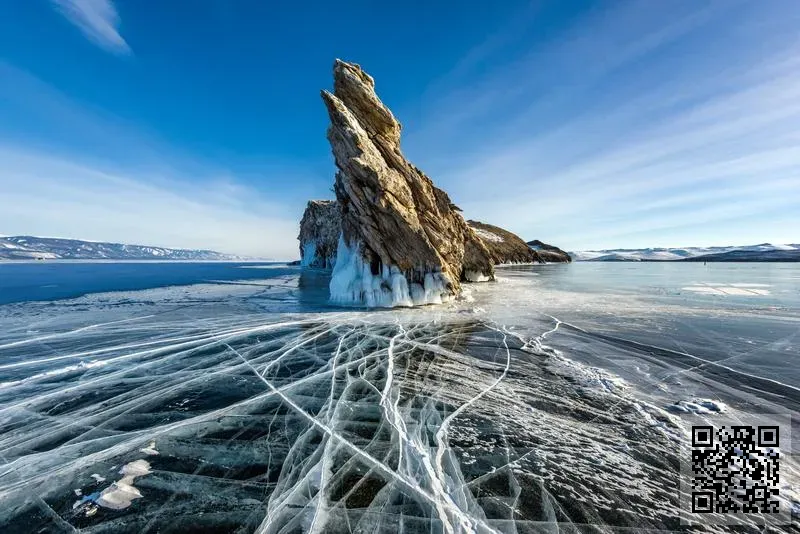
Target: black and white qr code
[{"x": 735, "y": 469}]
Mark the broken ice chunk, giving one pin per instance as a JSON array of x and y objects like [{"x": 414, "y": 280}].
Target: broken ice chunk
[
  {"x": 698, "y": 406},
  {"x": 150, "y": 449},
  {"x": 118, "y": 496}
]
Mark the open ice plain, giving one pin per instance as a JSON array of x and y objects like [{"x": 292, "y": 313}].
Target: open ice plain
[{"x": 550, "y": 401}]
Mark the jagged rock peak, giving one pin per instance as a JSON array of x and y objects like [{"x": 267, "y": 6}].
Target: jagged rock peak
[
  {"x": 400, "y": 233},
  {"x": 356, "y": 89},
  {"x": 319, "y": 234}
]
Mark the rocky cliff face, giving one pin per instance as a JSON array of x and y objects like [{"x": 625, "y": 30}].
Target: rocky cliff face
[
  {"x": 504, "y": 246},
  {"x": 319, "y": 234},
  {"x": 549, "y": 253},
  {"x": 403, "y": 242}
]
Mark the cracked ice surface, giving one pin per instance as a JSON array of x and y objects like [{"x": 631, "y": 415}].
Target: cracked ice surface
[{"x": 255, "y": 415}]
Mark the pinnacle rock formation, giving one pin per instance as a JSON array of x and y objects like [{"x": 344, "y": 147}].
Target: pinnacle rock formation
[
  {"x": 403, "y": 241},
  {"x": 319, "y": 234}
]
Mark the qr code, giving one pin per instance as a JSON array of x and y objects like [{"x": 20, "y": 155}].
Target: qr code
[{"x": 735, "y": 469}]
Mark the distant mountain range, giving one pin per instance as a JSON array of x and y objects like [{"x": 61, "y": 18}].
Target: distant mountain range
[
  {"x": 762, "y": 252},
  {"x": 25, "y": 247}
]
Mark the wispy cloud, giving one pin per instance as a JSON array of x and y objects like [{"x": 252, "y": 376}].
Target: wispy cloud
[
  {"x": 48, "y": 196},
  {"x": 633, "y": 127},
  {"x": 98, "y": 20}
]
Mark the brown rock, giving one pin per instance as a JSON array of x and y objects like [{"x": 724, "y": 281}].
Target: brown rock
[
  {"x": 504, "y": 246},
  {"x": 319, "y": 234},
  {"x": 507, "y": 247},
  {"x": 403, "y": 241},
  {"x": 549, "y": 253}
]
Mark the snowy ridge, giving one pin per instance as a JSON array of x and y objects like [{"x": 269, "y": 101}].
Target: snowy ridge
[
  {"x": 765, "y": 250},
  {"x": 50, "y": 248}
]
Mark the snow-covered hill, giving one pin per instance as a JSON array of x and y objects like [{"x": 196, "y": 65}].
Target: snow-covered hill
[
  {"x": 762, "y": 252},
  {"x": 47, "y": 248}
]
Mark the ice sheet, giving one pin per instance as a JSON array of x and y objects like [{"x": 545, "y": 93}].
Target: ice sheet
[{"x": 531, "y": 409}]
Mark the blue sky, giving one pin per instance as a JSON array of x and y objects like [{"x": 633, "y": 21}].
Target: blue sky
[{"x": 198, "y": 123}]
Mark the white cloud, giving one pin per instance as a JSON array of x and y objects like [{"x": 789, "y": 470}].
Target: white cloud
[
  {"x": 48, "y": 196},
  {"x": 98, "y": 20},
  {"x": 627, "y": 130}
]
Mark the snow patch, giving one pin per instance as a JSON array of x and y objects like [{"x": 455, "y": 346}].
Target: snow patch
[
  {"x": 592, "y": 380},
  {"x": 150, "y": 450},
  {"x": 121, "y": 493},
  {"x": 487, "y": 235}
]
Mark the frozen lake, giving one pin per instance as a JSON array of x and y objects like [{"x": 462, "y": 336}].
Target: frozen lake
[
  {"x": 52, "y": 280},
  {"x": 237, "y": 400}
]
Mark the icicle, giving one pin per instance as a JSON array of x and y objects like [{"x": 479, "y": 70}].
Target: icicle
[{"x": 353, "y": 283}]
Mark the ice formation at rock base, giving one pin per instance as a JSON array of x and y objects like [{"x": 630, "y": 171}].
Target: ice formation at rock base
[
  {"x": 354, "y": 283},
  {"x": 308, "y": 256}
]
